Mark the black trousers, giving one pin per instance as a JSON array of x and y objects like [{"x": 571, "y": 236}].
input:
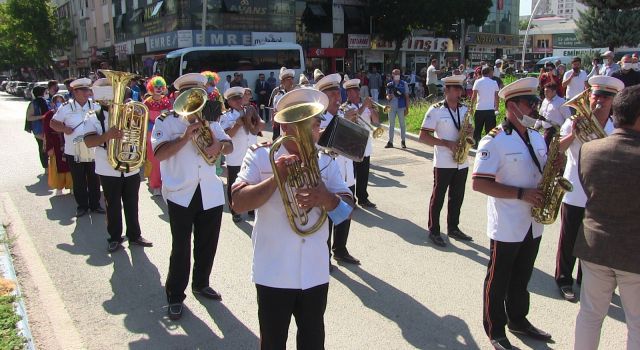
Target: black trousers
[
  {"x": 570, "y": 225},
  {"x": 275, "y": 307},
  {"x": 340, "y": 234},
  {"x": 276, "y": 131},
  {"x": 205, "y": 225},
  {"x": 232, "y": 175},
  {"x": 483, "y": 119},
  {"x": 44, "y": 157},
  {"x": 86, "y": 184},
  {"x": 443, "y": 179},
  {"x": 121, "y": 192},
  {"x": 361, "y": 171},
  {"x": 505, "y": 286}
]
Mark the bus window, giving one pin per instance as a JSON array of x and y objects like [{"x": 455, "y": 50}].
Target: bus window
[{"x": 170, "y": 68}]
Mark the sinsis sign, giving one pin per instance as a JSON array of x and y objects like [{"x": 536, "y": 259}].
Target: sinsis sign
[{"x": 427, "y": 44}]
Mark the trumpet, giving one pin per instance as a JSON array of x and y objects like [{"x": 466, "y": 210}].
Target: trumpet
[{"x": 385, "y": 109}]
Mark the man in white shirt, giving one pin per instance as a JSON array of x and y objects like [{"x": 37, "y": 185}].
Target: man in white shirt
[
  {"x": 508, "y": 169},
  {"x": 553, "y": 110},
  {"x": 440, "y": 128},
  {"x": 291, "y": 272},
  {"x": 432, "y": 78},
  {"x": 242, "y": 133},
  {"x": 69, "y": 119},
  {"x": 603, "y": 89},
  {"x": 120, "y": 188},
  {"x": 485, "y": 94},
  {"x": 194, "y": 196},
  {"x": 575, "y": 80},
  {"x": 286, "y": 85}
]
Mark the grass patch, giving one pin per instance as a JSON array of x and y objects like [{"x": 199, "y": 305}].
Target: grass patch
[{"x": 9, "y": 337}]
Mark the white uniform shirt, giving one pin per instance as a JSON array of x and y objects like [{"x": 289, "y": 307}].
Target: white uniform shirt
[
  {"x": 281, "y": 258},
  {"x": 554, "y": 111},
  {"x": 185, "y": 170},
  {"x": 576, "y": 85},
  {"x": 438, "y": 119},
  {"x": 366, "y": 116},
  {"x": 345, "y": 164},
  {"x": 577, "y": 197},
  {"x": 486, "y": 89},
  {"x": 71, "y": 114},
  {"x": 92, "y": 127},
  {"x": 432, "y": 76},
  {"x": 241, "y": 140},
  {"x": 506, "y": 159}
]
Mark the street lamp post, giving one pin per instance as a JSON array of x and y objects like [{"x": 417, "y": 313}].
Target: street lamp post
[
  {"x": 204, "y": 20},
  {"x": 526, "y": 33}
]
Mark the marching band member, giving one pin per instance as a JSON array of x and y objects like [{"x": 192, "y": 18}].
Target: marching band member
[
  {"x": 286, "y": 85},
  {"x": 440, "y": 129},
  {"x": 69, "y": 119},
  {"x": 603, "y": 89},
  {"x": 329, "y": 85},
  {"x": 317, "y": 75},
  {"x": 120, "y": 188},
  {"x": 157, "y": 103},
  {"x": 508, "y": 168},
  {"x": 194, "y": 197},
  {"x": 369, "y": 113},
  {"x": 242, "y": 131},
  {"x": 290, "y": 271}
]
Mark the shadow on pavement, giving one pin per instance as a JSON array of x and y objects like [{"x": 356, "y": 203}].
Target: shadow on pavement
[
  {"x": 40, "y": 188},
  {"x": 421, "y": 154},
  {"x": 162, "y": 205},
  {"x": 89, "y": 239},
  {"x": 420, "y": 327},
  {"x": 405, "y": 229},
  {"x": 62, "y": 209},
  {"x": 392, "y": 172}
]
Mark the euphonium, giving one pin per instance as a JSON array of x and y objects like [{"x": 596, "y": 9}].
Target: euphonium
[
  {"x": 552, "y": 185},
  {"x": 191, "y": 102},
  {"x": 464, "y": 141},
  {"x": 303, "y": 173},
  {"x": 132, "y": 118},
  {"x": 588, "y": 127}
]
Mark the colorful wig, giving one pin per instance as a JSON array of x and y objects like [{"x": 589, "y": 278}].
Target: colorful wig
[
  {"x": 212, "y": 77},
  {"x": 156, "y": 82}
]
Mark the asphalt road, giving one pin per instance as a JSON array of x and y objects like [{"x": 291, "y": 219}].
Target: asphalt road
[{"x": 406, "y": 294}]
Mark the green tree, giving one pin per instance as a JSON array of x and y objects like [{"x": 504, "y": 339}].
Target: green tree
[
  {"x": 607, "y": 27},
  {"x": 29, "y": 32},
  {"x": 611, "y": 4}
]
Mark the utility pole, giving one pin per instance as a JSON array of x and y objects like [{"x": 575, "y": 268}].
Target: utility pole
[
  {"x": 463, "y": 41},
  {"x": 526, "y": 33},
  {"x": 204, "y": 21}
]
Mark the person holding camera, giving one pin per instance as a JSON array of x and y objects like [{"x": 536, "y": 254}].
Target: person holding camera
[
  {"x": 575, "y": 80},
  {"x": 398, "y": 95}
]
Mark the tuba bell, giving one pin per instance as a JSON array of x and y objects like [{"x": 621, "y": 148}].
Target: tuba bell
[
  {"x": 303, "y": 173},
  {"x": 132, "y": 118},
  {"x": 588, "y": 127},
  {"x": 191, "y": 102}
]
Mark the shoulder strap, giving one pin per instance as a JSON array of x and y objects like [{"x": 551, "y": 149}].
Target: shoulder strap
[{"x": 100, "y": 116}]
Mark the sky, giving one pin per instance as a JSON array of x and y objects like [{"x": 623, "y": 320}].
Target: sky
[{"x": 525, "y": 7}]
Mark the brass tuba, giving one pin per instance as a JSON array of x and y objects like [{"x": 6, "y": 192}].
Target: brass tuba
[
  {"x": 305, "y": 172},
  {"x": 465, "y": 141},
  {"x": 588, "y": 127},
  {"x": 132, "y": 118},
  {"x": 191, "y": 102},
  {"x": 553, "y": 185}
]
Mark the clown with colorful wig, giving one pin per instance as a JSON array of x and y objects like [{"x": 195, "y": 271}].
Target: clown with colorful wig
[
  {"x": 212, "y": 80},
  {"x": 157, "y": 103}
]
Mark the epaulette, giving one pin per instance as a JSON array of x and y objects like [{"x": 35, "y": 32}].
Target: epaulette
[
  {"x": 165, "y": 114},
  {"x": 256, "y": 146},
  {"x": 439, "y": 104},
  {"x": 495, "y": 131}
]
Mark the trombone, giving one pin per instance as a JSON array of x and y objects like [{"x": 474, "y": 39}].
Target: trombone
[{"x": 375, "y": 132}]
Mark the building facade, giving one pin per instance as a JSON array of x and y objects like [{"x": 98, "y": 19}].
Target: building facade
[
  {"x": 569, "y": 9},
  {"x": 498, "y": 36}
]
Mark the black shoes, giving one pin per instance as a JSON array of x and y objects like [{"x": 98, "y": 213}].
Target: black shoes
[
  {"x": 236, "y": 218},
  {"x": 98, "y": 210},
  {"x": 459, "y": 235},
  {"x": 207, "y": 292},
  {"x": 530, "y": 331},
  {"x": 437, "y": 240},
  {"x": 113, "y": 246},
  {"x": 81, "y": 212},
  {"x": 501, "y": 344},
  {"x": 367, "y": 204},
  {"x": 174, "y": 311},
  {"x": 389, "y": 145},
  {"x": 567, "y": 293},
  {"x": 141, "y": 242},
  {"x": 346, "y": 258},
  {"x": 403, "y": 144}
]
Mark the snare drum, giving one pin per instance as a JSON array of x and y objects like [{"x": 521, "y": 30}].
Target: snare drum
[{"x": 82, "y": 152}]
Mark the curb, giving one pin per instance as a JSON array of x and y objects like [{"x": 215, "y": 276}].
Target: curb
[
  {"x": 415, "y": 137},
  {"x": 7, "y": 271}
]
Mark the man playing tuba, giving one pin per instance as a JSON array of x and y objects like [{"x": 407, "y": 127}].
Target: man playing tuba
[{"x": 290, "y": 270}]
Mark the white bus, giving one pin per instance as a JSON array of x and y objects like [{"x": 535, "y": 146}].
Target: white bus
[{"x": 227, "y": 60}]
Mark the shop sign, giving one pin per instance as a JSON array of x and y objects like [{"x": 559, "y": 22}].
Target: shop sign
[
  {"x": 567, "y": 40},
  {"x": 258, "y": 38},
  {"x": 124, "y": 48},
  {"x": 246, "y": 7},
  {"x": 491, "y": 39},
  {"x": 222, "y": 37},
  {"x": 326, "y": 52},
  {"x": 579, "y": 51},
  {"x": 358, "y": 41},
  {"x": 417, "y": 43}
]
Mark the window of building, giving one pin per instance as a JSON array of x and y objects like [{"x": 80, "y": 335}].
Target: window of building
[
  {"x": 107, "y": 31},
  {"x": 198, "y": 61}
]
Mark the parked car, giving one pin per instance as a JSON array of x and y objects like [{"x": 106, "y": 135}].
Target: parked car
[
  {"x": 10, "y": 86},
  {"x": 20, "y": 88},
  {"x": 28, "y": 93},
  {"x": 3, "y": 85}
]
